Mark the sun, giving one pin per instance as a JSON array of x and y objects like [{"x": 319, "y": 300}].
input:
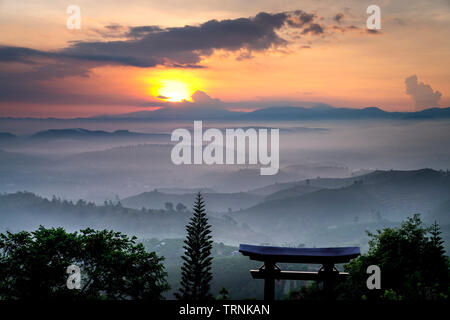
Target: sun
[
  {"x": 173, "y": 85},
  {"x": 173, "y": 91}
]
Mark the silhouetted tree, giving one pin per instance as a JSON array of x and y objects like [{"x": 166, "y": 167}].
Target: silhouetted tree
[
  {"x": 413, "y": 264},
  {"x": 180, "y": 207},
  {"x": 223, "y": 294},
  {"x": 438, "y": 270},
  {"x": 33, "y": 265},
  {"x": 436, "y": 239},
  {"x": 196, "y": 269},
  {"x": 168, "y": 206}
]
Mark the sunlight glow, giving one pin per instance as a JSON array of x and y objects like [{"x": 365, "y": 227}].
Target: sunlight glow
[
  {"x": 174, "y": 91},
  {"x": 173, "y": 85}
]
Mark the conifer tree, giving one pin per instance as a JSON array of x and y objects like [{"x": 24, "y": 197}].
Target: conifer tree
[
  {"x": 196, "y": 269},
  {"x": 439, "y": 263},
  {"x": 436, "y": 238}
]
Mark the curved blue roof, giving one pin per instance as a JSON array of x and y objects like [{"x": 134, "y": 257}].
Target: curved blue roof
[{"x": 301, "y": 255}]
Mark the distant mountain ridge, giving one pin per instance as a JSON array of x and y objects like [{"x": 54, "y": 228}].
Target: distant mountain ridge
[
  {"x": 7, "y": 135},
  {"x": 85, "y": 133},
  {"x": 295, "y": 113},
  {"x": 279, "y": 113},
  {"x": 284, "y": 113}
]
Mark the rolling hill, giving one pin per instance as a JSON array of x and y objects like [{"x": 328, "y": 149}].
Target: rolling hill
[
  {"x": 392, "y": 195},
  {"x": 27, "y": 211},
  {"x": 219, "y": 202},
  {"x": 7, "y": 135},
  {"x": 281, "y": 113},
  {"x": 79, "y": 133}
]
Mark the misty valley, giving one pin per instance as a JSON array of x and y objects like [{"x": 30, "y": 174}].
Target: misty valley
[
  {"x": 189, "y": 159},
  {"x": 337, "y": 180}
]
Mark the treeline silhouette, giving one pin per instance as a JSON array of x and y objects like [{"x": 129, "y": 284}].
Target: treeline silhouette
[{"x": 412, "y": 259}]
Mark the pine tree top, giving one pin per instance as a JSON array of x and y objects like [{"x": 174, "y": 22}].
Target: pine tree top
[{"x": 196, "y": 269}]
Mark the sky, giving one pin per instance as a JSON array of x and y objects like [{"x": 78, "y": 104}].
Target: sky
[{"x": 136, "y": 55}]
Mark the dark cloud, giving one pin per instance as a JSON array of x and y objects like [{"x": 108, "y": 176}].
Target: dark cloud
[
  {"x": 21, "y": 54},
  {"x": 423, "y": 94},
  {"x": 186, "y": 45},
  {"x": 299, "y": 18},
  {"x": 344, "y": 28},
  {"x": 114, "y": 27},
  {"x": 338, "y": 18},
  {"x": 353, "y": 28},
  {"x": 111, "y": 31},
  {"x": 26, "y": 55},
  {"x": 140, "y": 31},
  {"x": 143, "y": 47},
  {"x": 313, "y": 28},
  {"x": 31, "y": 92},
  {"x": 148, "y": 46},
  {"x": 34, "y": 87},
  {"x": 373, "y": 31}
]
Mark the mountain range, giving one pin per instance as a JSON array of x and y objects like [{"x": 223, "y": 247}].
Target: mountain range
[
  {"x": 79, "y": 133},
  {"x": 281, "y": 113},
  {"x": 278, "y": 113},
  {"x": 315, "y": 210},
  {"x": 327, "y": 203}
]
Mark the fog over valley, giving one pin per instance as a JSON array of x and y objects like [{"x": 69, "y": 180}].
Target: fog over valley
[{"x": 337, "y": 178}]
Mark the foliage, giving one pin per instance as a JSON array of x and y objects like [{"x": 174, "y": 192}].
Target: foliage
[
  {"x": 113, "y": 266},
  {"x": 196, "y": 272},
  {"x": 308, "y": 292},
  {"x": 412, "y": 262},
  {"x": 180, "y": 207},
  {"x": 223, "y": 294},
  {"x": 168, "y": 206},
  {"x": 18, "y": 212}
]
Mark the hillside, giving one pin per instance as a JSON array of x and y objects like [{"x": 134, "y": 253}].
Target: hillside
[
  {"x": 10, "y": 160},
  {"x": 391, "y": 195},
  {"x": 219, "y": 202},
  {"x": 294, "y": 191},
  {"x": 325, "y": 207},
  {"x": 79, "y": 133},
  {"x": 27, "y": 211},
  {"x": 318, "y": 183},
  {"x": 7, "y": 135},
  {"x": 299, "y": 212}
]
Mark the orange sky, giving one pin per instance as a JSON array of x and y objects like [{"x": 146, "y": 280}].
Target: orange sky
[{"x": 349, "y": 69}]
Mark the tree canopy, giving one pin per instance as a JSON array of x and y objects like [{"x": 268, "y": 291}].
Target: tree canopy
[
  {"x": 412, "y": 262},
  {"x": 113, "y": 266}
]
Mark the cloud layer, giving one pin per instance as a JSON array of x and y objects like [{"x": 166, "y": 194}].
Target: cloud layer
[
  {"x": 423, "y": 94},
  {"x": 148, "y": 46},
  {"x": 143, "y": 47}
]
